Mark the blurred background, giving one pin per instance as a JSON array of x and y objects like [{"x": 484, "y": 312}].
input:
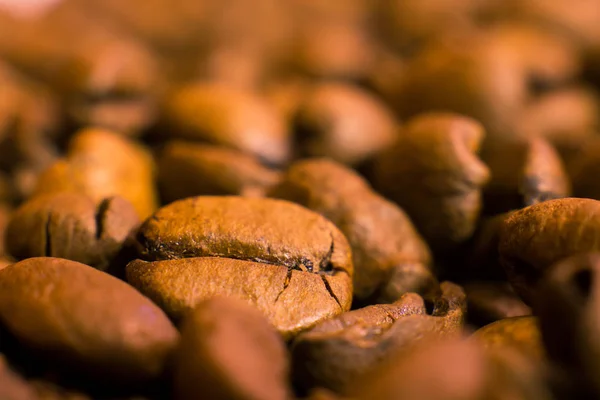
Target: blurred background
[{"x": 521, "y": 67}]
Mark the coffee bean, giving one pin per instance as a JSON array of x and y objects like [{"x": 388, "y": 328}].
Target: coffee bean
[
  {"x": 453, "y": 369},
  {"x": 225, "y": 116},
  {"x": 524, "y": 172},
  {"x": 433, "y": 173},
  {"x": 337, "y": 351},
  {"x": 71, "y": 226},
  {"x": 188, "y": 169},
  {"x": 75, "y": 318},
  {"x": 522, "y": 333},
  {"x": 534, "y": 238},
  {"x": 381, "y": 235},
  {"x": 487, "y": 76},
  {"x": 102, "y": 164},
  {"x": 343, "y": 123},
  {"x": 297, "y": 273},
  {"x": 567, "y": 307},
  {"x": 228, "y": 350}
]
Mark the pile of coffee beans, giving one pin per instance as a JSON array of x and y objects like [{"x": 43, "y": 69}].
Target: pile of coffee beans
[{"x": 300, "y": 199}]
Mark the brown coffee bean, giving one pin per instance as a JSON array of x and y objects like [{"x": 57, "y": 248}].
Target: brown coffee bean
[
  {"x": 29, "y": 122},
  {"x": 454, "y": 369},
  {"x": 106, "y": 77},
  {"x": 524, "y": 172},
  {"x": 344, "y": 123},
  {"x": 190, "y": 169},
  {"x": 228, "y": 350},
  {"x": 493, "y": 301},
  {"x": 337, "y": 351},
  {"x": 329, "y": 49},
  {"x": 567, "y": 305},
  {"x": 103, "y": 164},
  {"x": 489, "y": 76},
  {"x": 566, "y": 117},
  {"x": 536, "y": 237},
  {"x": 296, "y": 273},
  {"x": 12, "y": 386},
  {"x": 409, "y": 23},
  {"x": 71, "y": 226},
  {"x": 222, "y": 115},
  {"x": 76, "y": 318},
  {"x": 433, "y": 173},
  {"x": 287, "y": 94},
  {"x": 381, "y": 235},
  {"x": 521, "y": 333},
  {"x": 576, "y": 20}
]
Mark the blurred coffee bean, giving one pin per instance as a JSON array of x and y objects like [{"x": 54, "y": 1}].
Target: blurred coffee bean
[
  {"x": 534, "y": 238},
  {"x": 229, "y": 350},
  {"x": 106, "y": 77},
  {"x": 523, "y": 172},
  {"x": 343, "y": 123},
  {"x": 223, "y": 115},
  {"x": 454, "y": 369},
  {"x": 521, "y": 333},
  {"x": 336, "y": 352},
  {"x": 489, "y": 76},
  {"x": 567, "y": 307},
  {"x": 565, "y": 117},
  {"x": 433, "y": 173},
  {"x": 103, "y": 164},
  {"x": 190, "y": 169}
]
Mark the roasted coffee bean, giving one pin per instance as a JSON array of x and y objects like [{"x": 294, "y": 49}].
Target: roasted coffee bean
[
  {"x": 433, "y": 173},
  {"x": 454, "y": 369},
  {"x": 335, "y": 50},
  {"x": 190, "y": 169},
  {"x": 567, "y": 306},
  {"x": 534, "y": 238},
  {"x": 106, "y": 77},
  {"x": 71, "y": 226},
  {"x": 343, "y": 123},
  {"x": 489, "y": 76},
  {"x": 521, "y": 333},
  {"x": 493, "y": 301},
  {"x": 336, "y": 352},
  {"x": 103, "y": 164},
  {"x": 293, "y": 264},
  {"x": 524, "y": 172},
  {"x": 228, "y": 350},
  {"x": 76, "y": 319},
  {"x": 222, "y": 115},
  {"x": 410, "y": 23},
  {"x": 565, "y": 117},
  {"x": 390, "y": 257}
]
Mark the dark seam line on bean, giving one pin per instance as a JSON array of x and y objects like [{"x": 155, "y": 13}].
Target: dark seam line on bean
[
  {"x": 286, "y": 283},
  {"x": 100, "y": 216},
  {"x": 330, "y": 290}
]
